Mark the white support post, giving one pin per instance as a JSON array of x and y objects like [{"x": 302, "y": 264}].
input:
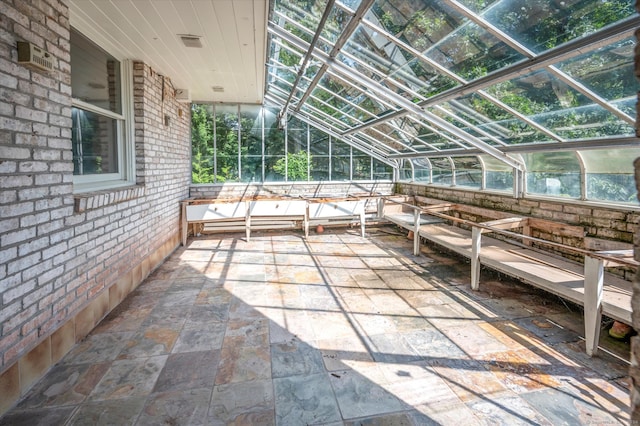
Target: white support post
[
  {"x": 184, "y": 228},
  {"x": 305, "y": 221},
  {"x": 416, "y": 232},
  {"x": 380, "y": 208},
  {"x": 247, "y": 220},
  {"x": 362, "y": 222},
  {"x": 593, "y": 285},
  {"x": 476, "y": 244}
]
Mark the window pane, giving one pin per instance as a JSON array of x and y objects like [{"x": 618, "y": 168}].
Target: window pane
[
  {"x": 422, "y": 170},
  {"x": 251, "y": 142},
  {"x": 361, "y": 166},
  {"x": 94, "y": 139},
  {"x": 468, "y": 171},
  {"x": 498, "y": 175},
  {"x": 319, "y": 146},
  {"x": 442, "y": 173},
  {"x": 95, "y": 75},
  {"x": 202, "y": 150},
  {"x": 553, "y": 173},
  {"x": 227, "y": 143},
  {"x": 382, "y": 170},
  {"x": 340, "y": 160}
]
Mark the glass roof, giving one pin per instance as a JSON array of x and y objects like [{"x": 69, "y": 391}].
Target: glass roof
[{"x": 432, "y": 78}]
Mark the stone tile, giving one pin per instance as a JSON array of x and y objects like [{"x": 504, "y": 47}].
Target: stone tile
[
  {"x": 432, "y": 344},
  {"x": 507, "y": 411},
  {"x": 401, "y": 419},
  {"x": 38, "y": 417},
  {"x": 521, "y": 371},
  {"x": 575, "y": 410},
  {"x": 546, "y": 330},
  {"x": 295, "y": 358},
  {"x": 149, "y": 341},
  {"x": 111, "y": 412},
  {"x": 305, "y": 400},
  {"x": 469, "y": 379},
  {"x": 391, "y": 348},
  {"x": 129, "y": 377},
  {"x": 244, "y": 403},
  {"x": 248, "y": 332},
  {"x": 207, "y": 314},
  {"x": 127, "y": 320},
  {"x": 187, "y": 407},
  {"x": 473, "y": 340},
  {"x": 341, "y": 353},
  {"x": 98, "y": 348},
  {"x": 445, "y": 414},
  {"x": 178, "y": 298},
  {"x": 360, "y": 397},
  {"x": 243, "y": 363},
  {"x": 65, "y": 385},
  {"x": 200, "y": 338},
  {"x": 189, "y": 370}
]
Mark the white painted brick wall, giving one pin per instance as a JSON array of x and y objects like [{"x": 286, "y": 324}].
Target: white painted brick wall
[{"x": 54, "y": 259}]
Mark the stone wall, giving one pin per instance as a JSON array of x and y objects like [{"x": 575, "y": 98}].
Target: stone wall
[{"x": 67, "y": 259}]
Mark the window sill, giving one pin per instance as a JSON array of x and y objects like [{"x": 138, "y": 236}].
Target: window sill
[{"x": 94, "y": 200}]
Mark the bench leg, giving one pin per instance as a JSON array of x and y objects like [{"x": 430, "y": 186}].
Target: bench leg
[
  {"x": 593, "y": 288},
  {"x": 476, "y": 243},
  {"x": 362, "y": 225},
  {"x": 416, "y": 233},
  {"x": 248, "y": 227},
  {"x": 184, "y": 227}
]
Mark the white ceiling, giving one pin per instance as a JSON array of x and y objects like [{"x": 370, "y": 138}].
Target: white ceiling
[{"x": 233, "y": 37}]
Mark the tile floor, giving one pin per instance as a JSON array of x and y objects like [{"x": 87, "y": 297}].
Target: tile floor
[{"x": 334, "y": 330}]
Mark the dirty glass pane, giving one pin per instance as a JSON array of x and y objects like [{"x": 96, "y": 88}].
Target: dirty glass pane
[
  {"x": 610, "y": 174},
  {"x": 558, "y": 107},
  {"x": 498, "y": 175},
  {"x": 553, "y": 173},
  {"x": 422, "y": 170},
  {"x": 406, "y": 172},
  {"x": 607, "y": 71},
  {"x": 468, "y": 171},
  {"x": 441, "y": 171},
  {"x": 381, "y": 171},
  {"x": 543, "y": 24}
]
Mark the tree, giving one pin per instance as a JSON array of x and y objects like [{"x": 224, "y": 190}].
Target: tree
[{"x": 295, "y": 168}]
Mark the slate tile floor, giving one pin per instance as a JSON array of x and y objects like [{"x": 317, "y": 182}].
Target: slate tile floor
[{"x": 334, "y": 330}]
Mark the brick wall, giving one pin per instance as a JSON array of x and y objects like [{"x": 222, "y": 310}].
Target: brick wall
[{"x": 66, "y": 260}]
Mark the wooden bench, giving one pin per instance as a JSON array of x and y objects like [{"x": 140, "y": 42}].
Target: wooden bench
[
  {"x": 518, "y": 254},
  {"x": 284, "y": 213},
  {"x": 336, "y": 211}
]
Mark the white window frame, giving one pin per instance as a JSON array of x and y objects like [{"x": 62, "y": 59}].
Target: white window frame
[{"x": 125, "y": 143}]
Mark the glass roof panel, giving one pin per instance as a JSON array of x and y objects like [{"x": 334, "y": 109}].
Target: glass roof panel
[
  {"x": 495, "y": 120},
  {"x": 338, "y": 19},
  {"x": 607, "y": 71},
  {"x": 543, "y": 24},
  {"x": 558, "y": 107},
  {"x": 444, "y": 35},
  {"x": 448, "y": 113},
  {"x": 425, "y": 135},
  {"x": 397, "y": 63},
  {"x": 306, "y": 12}
]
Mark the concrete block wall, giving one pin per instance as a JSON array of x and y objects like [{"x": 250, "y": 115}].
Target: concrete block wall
[
  {"x": 67, "y": 259},
  {"x": 294, "y": 189}
]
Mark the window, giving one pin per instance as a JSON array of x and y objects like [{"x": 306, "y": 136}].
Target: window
[{"x": 101, "y": 139}]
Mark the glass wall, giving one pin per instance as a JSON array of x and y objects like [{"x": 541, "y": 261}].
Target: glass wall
[{"x": 247, "y": 143}]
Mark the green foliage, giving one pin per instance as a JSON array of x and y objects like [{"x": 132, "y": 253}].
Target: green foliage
[{"x": 296, "y": 166}]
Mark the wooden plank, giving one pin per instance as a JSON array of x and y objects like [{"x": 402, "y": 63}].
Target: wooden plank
[
  {"x": 506, "y": 223},
  {"x": 208, "y": 212},
  {"x": 335, "y": 209},
  {"x": 278, "y": 208},
  {"x": 557, "y": 228}
]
